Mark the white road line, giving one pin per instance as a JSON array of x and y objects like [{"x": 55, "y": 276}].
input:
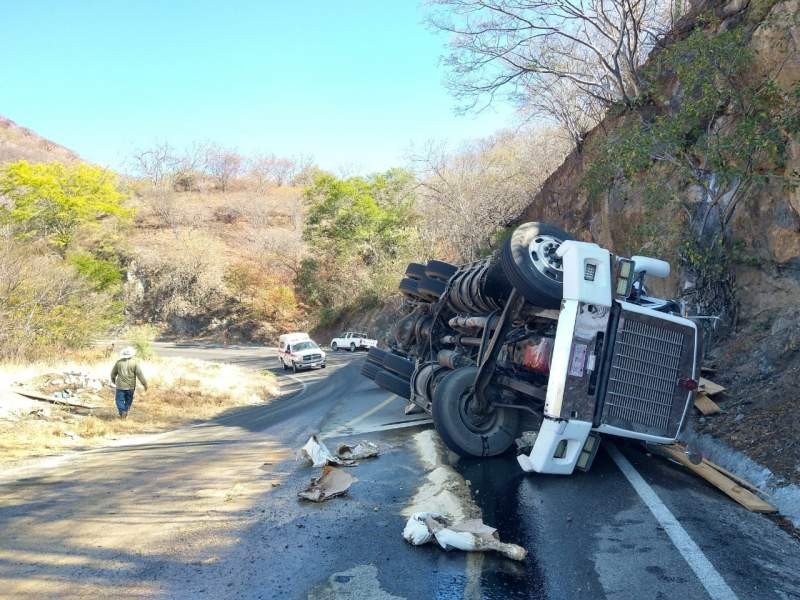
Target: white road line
[{"x": 709, "y": 577}]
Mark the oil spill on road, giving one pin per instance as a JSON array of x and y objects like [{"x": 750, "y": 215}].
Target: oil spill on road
[{"x": 495, "y": 485}]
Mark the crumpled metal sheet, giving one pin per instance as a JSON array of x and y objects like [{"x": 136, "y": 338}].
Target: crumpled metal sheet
[
  {"x": 472, "y": 535},
  {"x": 333, "y": 482}
]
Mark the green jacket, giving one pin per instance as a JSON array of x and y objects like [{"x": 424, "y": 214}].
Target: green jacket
[{"x": 125, "y": 373}]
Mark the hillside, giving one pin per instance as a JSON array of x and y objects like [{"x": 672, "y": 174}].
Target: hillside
[
  {"x": 719, "y": 200},
  {"x": 192, "y": 257},
  {"x": 20, "y": 143}
]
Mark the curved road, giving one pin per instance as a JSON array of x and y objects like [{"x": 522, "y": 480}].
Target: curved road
[{"x": 210, "y": 511}]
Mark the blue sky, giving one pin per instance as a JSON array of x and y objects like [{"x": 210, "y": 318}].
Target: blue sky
[{"x": 351, "y": 83}]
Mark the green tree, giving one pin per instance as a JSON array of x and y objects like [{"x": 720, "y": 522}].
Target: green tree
[
  {"x": 51, "y": 201},
  {"x": 359, "y": 230}
]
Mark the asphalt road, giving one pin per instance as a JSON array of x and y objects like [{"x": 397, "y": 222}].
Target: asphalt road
[{"x": 210, "y": 511}]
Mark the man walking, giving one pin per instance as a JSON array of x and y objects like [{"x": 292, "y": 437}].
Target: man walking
[{"x": 124, "y": 375}]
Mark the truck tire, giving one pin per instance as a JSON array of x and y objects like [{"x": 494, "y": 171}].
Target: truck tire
[
  {"x": 415, "y": 271},
  {"x": 430, "y": 288},
  {"x": 468, "y": 435},
  {"x": 440, "y": 270},
  {"x": 530, "y": 263},
  {"x": 294, "y": 367},
  {"x": 377, "y": 356},
  {"x": 335, "y": 347},
  {"x": 370, "y": 370},
  {"x": 399, "y": 365},
  {"x": 393, "y": 383},
  {"x": 352, "y": 346},
  {"x": 410, "y": 288}
]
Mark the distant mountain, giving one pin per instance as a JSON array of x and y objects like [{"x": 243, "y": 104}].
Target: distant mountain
[{"x": 20, "y": 143}]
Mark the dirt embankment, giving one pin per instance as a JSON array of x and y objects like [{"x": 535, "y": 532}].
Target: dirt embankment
[{"x": 758, "y": 360}]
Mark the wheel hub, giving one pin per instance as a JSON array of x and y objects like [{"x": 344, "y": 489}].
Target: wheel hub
[
  {"x": 475, "y": 421},
  {"x": 542, "y": 251}
]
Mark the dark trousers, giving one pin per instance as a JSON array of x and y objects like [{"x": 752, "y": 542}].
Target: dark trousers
[{"x": 124, "y": 399}]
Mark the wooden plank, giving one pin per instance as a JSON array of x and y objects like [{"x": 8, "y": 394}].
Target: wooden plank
[
  {"x": 706, "y": 405},
  {"x": 709, "y": 387},
  {"x": 719, "y": 480},
  {"x": 42, "y": 398},
  {"x": 742, "y": 482}
]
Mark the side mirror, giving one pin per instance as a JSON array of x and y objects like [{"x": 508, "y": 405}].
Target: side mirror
[{"x": 652, "y": 266}]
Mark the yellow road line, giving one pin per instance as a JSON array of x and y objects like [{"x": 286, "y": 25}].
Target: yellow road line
[{"x": 359, "y": 418}]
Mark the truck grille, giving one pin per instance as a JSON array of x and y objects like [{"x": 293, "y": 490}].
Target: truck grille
[
  {"x": 650, "y": 357},
  {"x": 311, "y": 357}
]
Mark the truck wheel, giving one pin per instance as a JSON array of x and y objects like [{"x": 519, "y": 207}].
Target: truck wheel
[
  {"x": 370, "y": 370},
  {"x": 410, "y": 288},
  {"x": 393, "y": 383},
  {"x": 440, "y": 270},
  {"x": 377, "y": 356},
  {"x": 399, "y": 365},
  {"x": 294, "y": 367},
  {"x": 335, "y": 347},
  {"x": 415, "y": 271},
  {"x": 464, "y": 432},
  {"x": 431, "y": 288},
  {"x": 352, "y": 347},
  {"x": 529, "y": 261}
]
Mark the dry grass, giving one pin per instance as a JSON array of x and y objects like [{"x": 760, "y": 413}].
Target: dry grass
[{"x": 181, "y": 391}]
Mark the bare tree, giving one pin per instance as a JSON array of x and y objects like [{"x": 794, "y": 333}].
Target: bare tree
[
  {"x": 223, "y": 164},
  {"x": 155, "y": 164},
  {"x": 521, "y": 48},
  {"x": 561, "y": 102},
  {"x": 467, "y": 197},
  {"x": 269, "y": 169}
]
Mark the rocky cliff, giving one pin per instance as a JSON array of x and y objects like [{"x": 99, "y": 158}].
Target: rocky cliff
[{"x": 750, "y": 205}]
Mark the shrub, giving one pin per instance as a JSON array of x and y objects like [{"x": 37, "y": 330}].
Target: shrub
[{"x": 141, "y": 337}]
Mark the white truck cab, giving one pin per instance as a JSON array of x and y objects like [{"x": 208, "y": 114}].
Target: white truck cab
[{"x": 297, "y": 351}]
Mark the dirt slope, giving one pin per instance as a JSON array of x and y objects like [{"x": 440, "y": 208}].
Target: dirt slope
[{"x": 20, "y": 143}]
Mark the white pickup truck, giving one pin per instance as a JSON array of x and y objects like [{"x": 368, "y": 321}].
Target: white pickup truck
[{"x": 353, "y": 341}]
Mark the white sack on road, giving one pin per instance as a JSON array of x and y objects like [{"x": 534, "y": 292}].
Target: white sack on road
[
  {"x": 319, "y": 455},
  {"x": 358, "y": 452},
  {"x": 471, "y": 536},
  {"x": 333, "y": 482}
]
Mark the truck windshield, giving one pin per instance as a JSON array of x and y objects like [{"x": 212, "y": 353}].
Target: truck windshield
[{"x": 304, "y": 346}]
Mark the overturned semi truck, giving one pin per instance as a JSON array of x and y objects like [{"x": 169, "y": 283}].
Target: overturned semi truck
[{"x": 547, "y": 335}]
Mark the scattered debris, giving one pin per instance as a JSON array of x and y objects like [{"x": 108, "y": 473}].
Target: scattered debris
[
  {"x": 55, "y": 400},
  {"x": 74, "y": 389},
  {"x": 472, "y": 535},
  {"x": 709, "y": 387},
  {"x": 317, "y": 452},
  {"x": 333, "y": 482},
  {"x": 346, "y": 455},
  {"x": 735, "y": 487},
  {"x": 359, "y": 451},
  {"x": 706, "y": 405}
]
